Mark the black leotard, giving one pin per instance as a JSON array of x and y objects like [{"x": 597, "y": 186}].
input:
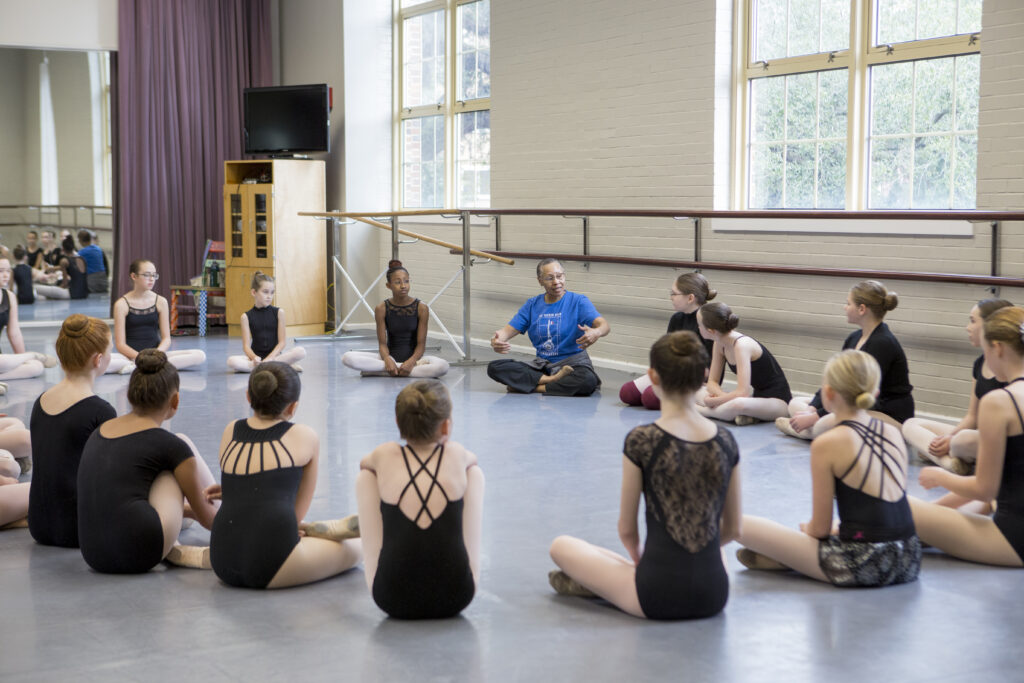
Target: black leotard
[
  {"x": 263, "y": 329},
  {"x": 681, "y": 575},
  {"x": 23, "y": 279},
  {"x": 57, "y": 443},
  {"x": 688, "y": 321},
  {"x": 5, "y": 309},
  {"x": 401, "y": 323},
  {"x": 78, "y": 288},
  {"x": 877, "y": 544},
  {"x": 766, "y": 376},
  {"x": 118, "y": 530},
  {"x": 1009, "y": 516},
  {"x": 32, "y": 256},
  {"x": 894, "y": 397},
  {"x": 423, "y": 573},
  {"x": 982, "y": 384},
  {"x": 142, "y": 326},
  {"x": 255, "y": 529}
]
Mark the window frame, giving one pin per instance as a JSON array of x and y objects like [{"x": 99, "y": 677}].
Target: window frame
[
  {"x": 858, "y": 59},
  {"x": 450, "y": 108}
]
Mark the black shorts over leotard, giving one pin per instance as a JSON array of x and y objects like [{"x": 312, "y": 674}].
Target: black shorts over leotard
[{"x": 255, "y": 529}]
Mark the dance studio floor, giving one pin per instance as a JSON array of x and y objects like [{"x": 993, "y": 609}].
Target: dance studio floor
[{"x": 552, "y": 466}]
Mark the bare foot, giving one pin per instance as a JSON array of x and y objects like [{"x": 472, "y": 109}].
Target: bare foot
[
  {"x": 4, "y": 481},
  {"x": 562, "y": 372}
]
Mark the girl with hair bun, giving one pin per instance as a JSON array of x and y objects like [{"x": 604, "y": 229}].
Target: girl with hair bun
[
  {"x": 687, "y": 469},
  {"x": 134, "y": 476},
  {"x": 401, "y": 334},
  {"x": 761, "y": 393},
  {"x": 955, "y": 447},
  {"x": 20, "y": 364},
  {"x": 999, "y": 472},
  {"x": 420, "y": 511},
  {"x": 268, "y": 478},
  {"x": 689, "y": 292},
  {"x": 264, "y": 331},
  {"x": 63, "y": 419},
  {"x": 866, "y": 306},
  {"x": 141, "y": 322},
  {"x": 861, "y": 464}
]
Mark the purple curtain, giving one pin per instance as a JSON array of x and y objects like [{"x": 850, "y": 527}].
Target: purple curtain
[{"x": 182, "y": 67}]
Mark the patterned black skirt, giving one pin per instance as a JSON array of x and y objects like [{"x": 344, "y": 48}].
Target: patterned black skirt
[{"x": 869, "y": 564}]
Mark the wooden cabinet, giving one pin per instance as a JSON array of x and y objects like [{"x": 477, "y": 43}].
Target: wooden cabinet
[{"x": 262, "y": 232}]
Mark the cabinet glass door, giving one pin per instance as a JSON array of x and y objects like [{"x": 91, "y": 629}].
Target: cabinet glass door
[
  {"x": 236, "y": 231},
  {"x": 261, "y": 251}
]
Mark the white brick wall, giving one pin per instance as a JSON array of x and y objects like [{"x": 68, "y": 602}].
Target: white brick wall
[{"x": 611, "y": 105}]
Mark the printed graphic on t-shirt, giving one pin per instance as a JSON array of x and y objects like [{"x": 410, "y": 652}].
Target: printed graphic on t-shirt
[{"x": 549, "y": 324}]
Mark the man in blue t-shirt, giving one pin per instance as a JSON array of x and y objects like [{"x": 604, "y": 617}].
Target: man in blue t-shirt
[
  {"x": 561, "y": 326},
  {"x": 95, "y": 262}
]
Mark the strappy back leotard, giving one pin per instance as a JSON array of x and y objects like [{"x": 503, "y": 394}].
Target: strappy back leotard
[
  {"x": 1009, "y": 516},
  {"x": 423, "y": 573},
  {"x": 864, "y": 517},
  {"x": 255, "y": 529}
]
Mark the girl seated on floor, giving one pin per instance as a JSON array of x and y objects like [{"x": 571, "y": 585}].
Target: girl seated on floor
[
  {"x": 420, "y": 511},
  {"x": 861, "y": 464},
  {"x": 401, "y": 334},
  {"x": 264, "y": 331},
  {"x": 687, "y": 469},
  {"x": 269, "y": 468},
  {"x": 689, "y": 292}
]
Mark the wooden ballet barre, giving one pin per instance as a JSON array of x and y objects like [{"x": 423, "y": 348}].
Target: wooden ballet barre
[{"x": 415, "y": 235}]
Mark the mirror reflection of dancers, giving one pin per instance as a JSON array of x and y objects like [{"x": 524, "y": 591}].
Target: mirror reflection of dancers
[
  {"x": 955, "y": 447},
  {"x": 141, "y": 322},
  {"x": 264, "y": 331},
  {"x": 268, "y": 478},
  {"x": 135, "y": 476},
  {"x": 687, "y": 469},
  {"x": 688, "y": 293},
  {"x": 561, "y": 325},
  {"x": 420, "y": 511},
  {"x": 63, "y": 419},
  {"x": 401, "y": 334},
  {"x": 20, "y": 364}
]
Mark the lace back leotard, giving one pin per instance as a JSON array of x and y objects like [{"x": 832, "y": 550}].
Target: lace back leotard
[
  {"x": 255, "y": 529},
  {"x": 423, "y": 573},
  {"x": 877, "y": 544}
]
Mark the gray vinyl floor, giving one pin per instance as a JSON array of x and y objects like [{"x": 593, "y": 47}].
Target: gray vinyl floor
[{"x": 552, "y": 467}]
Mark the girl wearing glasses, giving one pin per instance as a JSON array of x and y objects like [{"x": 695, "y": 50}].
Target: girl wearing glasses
[
  {"x": 141, "y": 322},
  {"x": 689, "y": 292}
]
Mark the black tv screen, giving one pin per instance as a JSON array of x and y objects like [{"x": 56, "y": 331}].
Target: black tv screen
[{"x": 288, "y": 119}]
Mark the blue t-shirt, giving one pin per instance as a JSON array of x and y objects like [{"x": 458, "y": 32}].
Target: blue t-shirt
[
  {"x": 93, "y": 257},
  {"x": 553, "y": 327}
]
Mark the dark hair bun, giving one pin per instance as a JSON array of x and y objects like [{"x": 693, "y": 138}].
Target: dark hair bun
[
  {"x": 75, "y": 325},
  {"x": 150, "y": 361},
  {"x": 712, "y": 293},
  {"x": 394, "y": 263},
  {"x": 263, "y": 384},
  {"x": 891, "y": 300}
]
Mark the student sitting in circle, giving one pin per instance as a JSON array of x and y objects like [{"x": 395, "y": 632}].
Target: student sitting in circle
[
  {"x": 761, "y": 393},
  {"x": 689, "y": 292},
  {"x": 561, "y": 325},
  {"x": 264, "y": 331},
  {"x": 420, "y": 511},
  {"x": 861, "y": 465},
  {"x": 401, "y": 335},
  {"x": 687, "y": 469}
]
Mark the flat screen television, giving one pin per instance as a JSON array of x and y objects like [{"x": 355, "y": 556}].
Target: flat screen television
[{"x": 287, "y": 120}]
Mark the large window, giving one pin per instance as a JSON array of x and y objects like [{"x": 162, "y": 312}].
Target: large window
[
  {"x": 444, "y": 119},
  {"x": 858, "y": 104}
]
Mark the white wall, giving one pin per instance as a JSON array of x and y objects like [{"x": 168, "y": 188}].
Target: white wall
[
  {"x": 12, "y": 125},
  {"x": 605, "y": 104},
  {"x": 68, "y": 24}
]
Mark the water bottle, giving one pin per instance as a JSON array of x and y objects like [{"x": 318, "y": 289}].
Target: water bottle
[{"x": 214, "y": 274}]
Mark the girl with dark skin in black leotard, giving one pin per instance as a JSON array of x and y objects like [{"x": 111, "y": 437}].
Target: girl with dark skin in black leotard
[
  {"x": 419, "y": 501},
  {"x": 269, "y": 455},
  {"x": 964, "y": 533}
]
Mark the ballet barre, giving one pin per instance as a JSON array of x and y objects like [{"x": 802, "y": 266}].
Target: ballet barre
[{"x": 338, "y": 218}]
